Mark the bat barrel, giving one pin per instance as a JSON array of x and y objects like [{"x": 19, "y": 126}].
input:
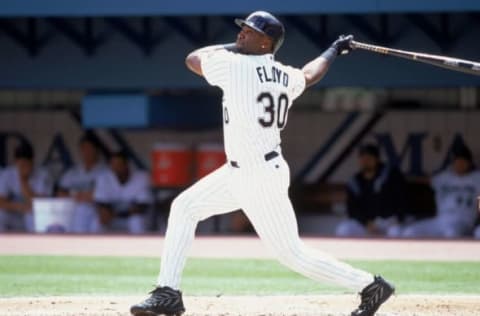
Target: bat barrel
[{"x": 465, "y": 66}]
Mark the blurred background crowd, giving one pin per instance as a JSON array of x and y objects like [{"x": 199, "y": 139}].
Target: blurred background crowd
[
  {"x": 110, "y": 195},
  {"x": 101, "y": 121}
]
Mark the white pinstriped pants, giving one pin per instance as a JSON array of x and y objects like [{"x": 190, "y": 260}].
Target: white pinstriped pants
[{"x": 261, "y": 191}]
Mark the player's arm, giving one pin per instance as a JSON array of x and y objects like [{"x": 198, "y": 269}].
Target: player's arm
[
  {"x": 317, "y": 68},
  {"x": 5, "y": 202},
  {"x": 194, "y": 59},
  {"x": 138, "y": 208},
  {"x": 13, "y": 206},
  {"x": 143, "y": 197}
]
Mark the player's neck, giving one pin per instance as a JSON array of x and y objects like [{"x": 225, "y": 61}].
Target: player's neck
[{"x": 259, "y": 52}]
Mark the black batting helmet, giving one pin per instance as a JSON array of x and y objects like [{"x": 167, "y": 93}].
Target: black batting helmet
[{"x": 267, "y": 24}]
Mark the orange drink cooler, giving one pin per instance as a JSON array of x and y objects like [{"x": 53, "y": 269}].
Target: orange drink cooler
[{"x": 171, "y": 165}]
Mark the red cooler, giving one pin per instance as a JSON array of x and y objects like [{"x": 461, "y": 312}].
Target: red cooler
[
  {"x": 171, "y": 165},
  {"x": 209, "y": 157}
]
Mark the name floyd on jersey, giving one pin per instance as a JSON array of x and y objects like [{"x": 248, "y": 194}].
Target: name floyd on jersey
[{"x": 272, "y": 74}]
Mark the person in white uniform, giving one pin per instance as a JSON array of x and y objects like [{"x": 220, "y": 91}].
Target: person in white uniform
[
  {"x": 257, "y": 94},
  {"x": 79, "y": 183},
  {"x": 456, "y": 190},
  {"x": 19, "y": 184},
  {"x": 476, "y": 232},
  {"x": 123, "y": 197}
]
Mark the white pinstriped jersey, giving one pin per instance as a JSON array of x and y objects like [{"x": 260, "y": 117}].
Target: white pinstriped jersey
[
  {"x": 10, "y": 186},
  {"x": 257, "y": 94},
  {"x": 456, "y": 196},
  {"x": 121, "y": 196}
]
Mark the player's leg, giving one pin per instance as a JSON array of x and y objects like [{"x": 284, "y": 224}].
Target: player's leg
[
  {"x": 82, "y": 218},
  {"x": 274, "y": 220},
  {"x": 4, "y": 220},
  {"x": 350, "y": 228},
  {"x": 264, "y": 197},
  {"x": 266, "y": 203},
  {"x": 16, "y": 221},
  {"x": 209, "y": 196},
  {"x": 136, "y": 224},
  {"x": 476, "y": 232},
  {"x": 435, "y": 227},
  {"x": 28, "y": 222}
]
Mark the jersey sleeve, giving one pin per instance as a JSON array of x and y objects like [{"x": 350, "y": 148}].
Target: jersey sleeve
[
  {"x": 144, "y": 193},
  {"x": 477, "y": 183},
  {"x": 66, "y": 180},
  {"x": 297, "y": 85},
  {"x": 216, "y": 67},
  {"x": 42, "y": 184},
  {"x": 3, "y": 183},
  {"x": 438, "y": 180},
  {"x": 102, "y": 192}
]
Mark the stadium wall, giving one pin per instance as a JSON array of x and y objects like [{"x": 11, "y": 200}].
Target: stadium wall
[{"x": 313, "y": 141}]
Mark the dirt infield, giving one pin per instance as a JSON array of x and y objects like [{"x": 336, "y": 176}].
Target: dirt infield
[{"x": 324, "y": 305}]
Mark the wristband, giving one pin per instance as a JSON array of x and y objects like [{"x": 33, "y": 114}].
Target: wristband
[{"x": 330, "y": 54}]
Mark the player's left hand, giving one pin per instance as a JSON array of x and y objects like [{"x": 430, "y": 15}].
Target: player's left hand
[{"x": 342, "y": 44}]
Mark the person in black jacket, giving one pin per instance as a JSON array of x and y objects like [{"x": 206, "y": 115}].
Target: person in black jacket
[{"x": 376, "y": 197}]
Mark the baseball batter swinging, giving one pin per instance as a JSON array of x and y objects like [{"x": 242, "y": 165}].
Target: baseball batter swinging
[{"x": 257, "y": 94}]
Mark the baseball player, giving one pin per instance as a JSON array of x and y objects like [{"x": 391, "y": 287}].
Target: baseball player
[
  {"x": 123, "y": 197},
  {"x": 257, "y": 94},
  {"x": 19, "y": 184},
  {"x": 79, "y": 183},
  {"x": 456, "y": 190},
  {"x": 476, "y": 232}
]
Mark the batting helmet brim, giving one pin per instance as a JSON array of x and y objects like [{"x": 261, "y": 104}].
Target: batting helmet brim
[{"x": 242, "y": 22}]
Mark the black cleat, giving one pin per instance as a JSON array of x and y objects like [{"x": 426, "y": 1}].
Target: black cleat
[
  {"x": 374, "y": 295},
  {"x": 162, "y": 301}
]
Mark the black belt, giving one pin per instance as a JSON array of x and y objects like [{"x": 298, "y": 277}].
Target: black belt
[{"x": 268, "y": 156}]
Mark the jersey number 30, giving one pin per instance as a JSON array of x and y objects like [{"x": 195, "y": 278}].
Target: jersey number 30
[{"x": 274, "y": 111}]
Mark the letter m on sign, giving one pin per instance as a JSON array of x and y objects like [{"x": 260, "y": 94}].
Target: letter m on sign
[{"x": 412, "y": 146}]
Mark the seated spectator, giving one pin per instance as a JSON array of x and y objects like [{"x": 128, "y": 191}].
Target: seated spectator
[
  {"x": 79, "y": 183},
  {"x": 456, "y": 190},
  {"x": 476, "y": 232},
  {"x": 375, "y": 197},
  {"x": 123, "y": 197},
  {"x": 19, "y": 184}
]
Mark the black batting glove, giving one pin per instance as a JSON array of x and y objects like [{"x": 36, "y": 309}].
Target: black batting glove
[{"x": 342, "y": 44}]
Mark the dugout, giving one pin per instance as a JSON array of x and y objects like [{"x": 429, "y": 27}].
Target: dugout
[{"x": 55, "y": 57}]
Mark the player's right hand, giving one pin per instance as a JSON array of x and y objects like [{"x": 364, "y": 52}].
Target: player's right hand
[{"x": 342, "y": 44}]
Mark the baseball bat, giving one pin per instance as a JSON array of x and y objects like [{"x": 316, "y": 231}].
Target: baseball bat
[{"x": 462, "y": 65}]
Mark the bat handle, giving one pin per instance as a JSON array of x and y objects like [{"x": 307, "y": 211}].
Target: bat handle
[{"x": 354, "y": 44}]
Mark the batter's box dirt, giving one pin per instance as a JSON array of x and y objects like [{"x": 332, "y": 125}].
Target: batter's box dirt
[{"x": 318, "y": 305}]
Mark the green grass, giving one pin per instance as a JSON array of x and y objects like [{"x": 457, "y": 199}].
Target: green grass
[{"x": 55, "y": 275}]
